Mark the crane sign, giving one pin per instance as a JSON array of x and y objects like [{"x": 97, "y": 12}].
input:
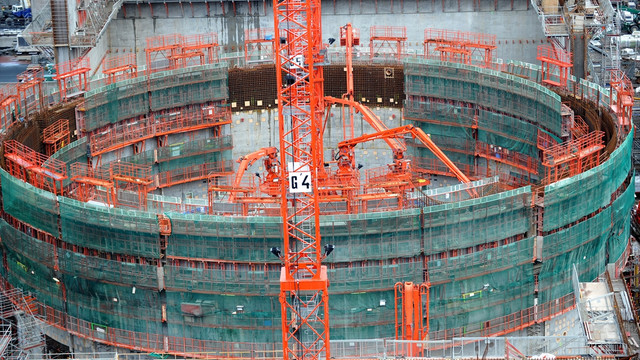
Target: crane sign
[{"x": 303, "y": 280}]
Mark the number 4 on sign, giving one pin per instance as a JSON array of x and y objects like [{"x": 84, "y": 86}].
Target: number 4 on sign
[{"x": 299, "y": 181}]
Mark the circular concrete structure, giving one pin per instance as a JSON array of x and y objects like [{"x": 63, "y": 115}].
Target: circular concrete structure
[{"x": 178, "y": 274}]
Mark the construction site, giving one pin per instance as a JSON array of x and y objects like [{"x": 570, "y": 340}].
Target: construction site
[{"x": 306, "y": 180}]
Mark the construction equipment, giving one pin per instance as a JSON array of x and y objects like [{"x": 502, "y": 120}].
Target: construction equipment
[
  {"x": 412, "y": 321},
  {"x": 269, "y": 180},
  {"x": 304, "y": 285}
]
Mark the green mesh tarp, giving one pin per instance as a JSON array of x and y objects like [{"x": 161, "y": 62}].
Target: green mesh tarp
[
  {"x": 216, "y": 316},
  {"x": 375, "y": 235},
  {"x": 224, "y": 238},
  {"x": 499, "y": 91},
  {"x": 89, "y": 267},
  {"x": 29, "y": 204},
  {"x": 31, "y": 276},
  {"x": 484, "y": 285},
  {"x": 113, "y": 230},
  {"x": 34, "y": 249},
  {"x": 478, "y": 221},
  {"x": 109, "y": 305},
  {"x": 570, "y": 199}
]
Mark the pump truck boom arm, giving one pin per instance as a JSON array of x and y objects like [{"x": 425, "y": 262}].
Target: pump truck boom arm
[
  {"x": 393, "y": 134},
  {"x": 270, "y": 162}
]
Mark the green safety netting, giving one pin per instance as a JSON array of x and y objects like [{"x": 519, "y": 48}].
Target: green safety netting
[
  {"x": 29, "y": 204},
  {"x": 113, "y": 230}
]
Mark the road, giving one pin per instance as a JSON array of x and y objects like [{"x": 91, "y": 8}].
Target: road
[{"x": 10, "y": 67}]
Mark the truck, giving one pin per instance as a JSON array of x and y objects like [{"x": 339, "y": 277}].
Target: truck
[{"x": 17, "y": 14}]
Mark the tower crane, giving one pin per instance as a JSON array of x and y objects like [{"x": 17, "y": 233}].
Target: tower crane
[{"x": 304, "y": 285}]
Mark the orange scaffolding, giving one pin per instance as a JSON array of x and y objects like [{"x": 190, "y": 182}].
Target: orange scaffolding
[
  {"x": 622, "y": 105},
  {"x": 258, "y": 43},
  {"x": 160, "y": 50},
  {"x": 30, "y": 87},
  {"x": 387, "y": 40},
  {"x": 56, "y": 136},
  {"x": 459, "y": 46},
  {"x": 138, "y": 130},
  {"x": 573, "y": 157},
  {"x": 87, "y": 181},
  {"x": 9, "y": 106},
  {"x": 72, "y": 77},
  {"x": 553, "y": 58},
  {"x": 30, "y": 166},
  {"x": 128, "y": 177},
  {"x": 119, "y": 67},
  {"x": 206, "y": 43},
  {"x": 168, "y": 52}
]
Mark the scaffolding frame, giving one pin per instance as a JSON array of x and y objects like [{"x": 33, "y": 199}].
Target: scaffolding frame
[
  {"x": 37, "y": 169},
  {"x": 30, "y": 86},
  {"x": 385, "y": 40},
  {"x": 56, "y": 136},
  {"x": 8, "y": 105},
  {"x": 260, "y": 43},
  {"x": 573, "y": 157},
  {"x": 622, "y": 102},
  {"x": 88, "y": 180},
  {"x": 119, "y": 67},
  {"x": 131, "y": 177},
  {"x": 72, "y": 76},
  {"x": 459, "y": 46},
  {"x": 553, "y": 58}
]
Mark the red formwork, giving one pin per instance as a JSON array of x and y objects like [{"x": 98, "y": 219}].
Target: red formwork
[
  {"x": 119, "y": 67},
  {"x": 460, "y": 46},
  {"x": 131, "y": 177},
  {"x": 37, "y": 169},
  {"x": 72, "y": 77},
  {"x": 258, "y": 44},
  {"x": 573, "y": 157},
  {"x": 553, "y": 58},
  {"x": 88, "y": 179},
  {"x": 580, "y": 127},
  {"x": 622, "y": 102},
  {"x": 9, "y": 106},
  {"x": 193, "y": 173},
  {"x": 387, "y": 40},
  {"x": 159, "y": 51},
  {"x": 206, "y": 43},
  {"x": 135, "y": 131},
  {"x": 29, "y": 90},
  {"x": 56, "y": 136}
]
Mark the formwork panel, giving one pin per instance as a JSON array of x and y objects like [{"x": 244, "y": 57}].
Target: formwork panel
[
  {"x": 468, "y": 223},
  {"x": 19, "y": 242},
  {"x": 129, "y": 232},
  {"x": 570, "y": 199},
  {"x": 223, "y": 318},
  {"x": 489, "y": 295},
  {"x": 108, "y": 305},
  {"x": 112, "y": 271},
  {"x": 33, "y": 277},
  {"x": 376, "y": 235},
  {"x": 29, "y": 204},
  {"x": 224, "y": 238}
]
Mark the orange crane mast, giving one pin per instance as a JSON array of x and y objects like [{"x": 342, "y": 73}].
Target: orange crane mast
[{"x": 304, "y": 285}]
